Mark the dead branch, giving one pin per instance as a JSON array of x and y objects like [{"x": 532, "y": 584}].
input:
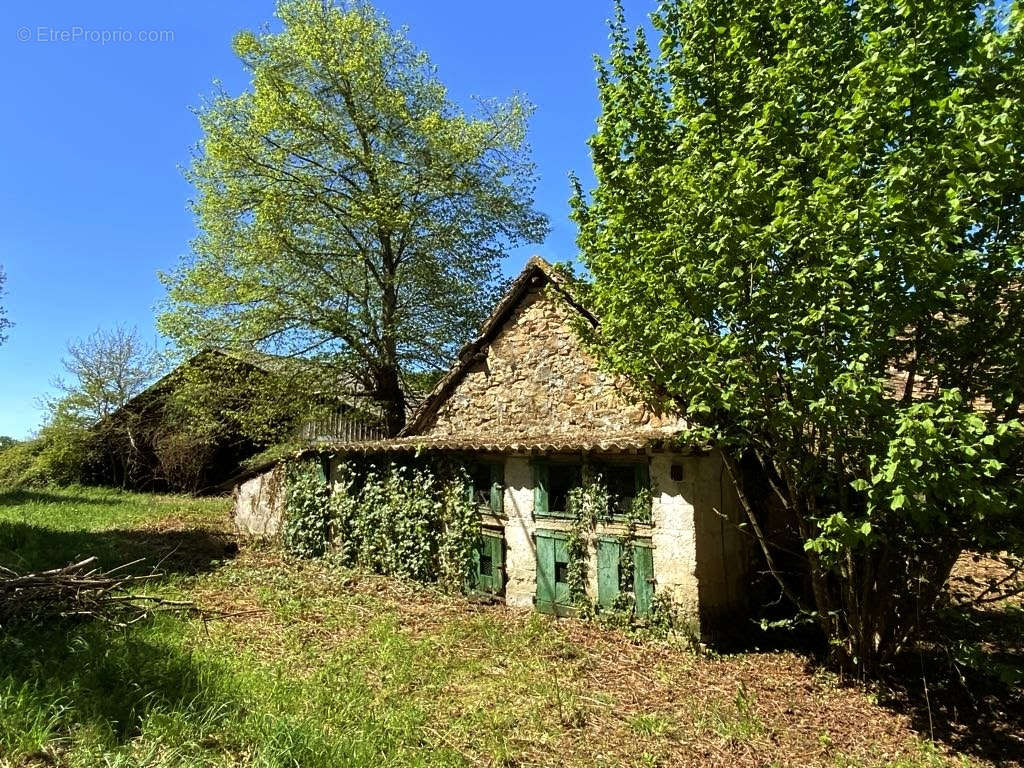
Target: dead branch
[{"x": 82, "y": 590}]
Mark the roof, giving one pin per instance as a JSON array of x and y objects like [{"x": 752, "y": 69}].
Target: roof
[{"x": 618, "y": 442}]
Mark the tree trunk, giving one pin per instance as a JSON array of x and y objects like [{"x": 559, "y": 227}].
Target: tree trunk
[{"x": 392, "y": 398}]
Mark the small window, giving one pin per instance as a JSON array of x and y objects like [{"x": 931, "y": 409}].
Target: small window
[
  {"x": 561, "y": 573},
  {"x": 624, "y": 481},
  {"x": 552, "y": 482},
  {"x": 480, "y": 477},
  {"x": 562, "y": 478},
  {"x": 487, "y": 486},
  {"x": 621, "y": 483}
]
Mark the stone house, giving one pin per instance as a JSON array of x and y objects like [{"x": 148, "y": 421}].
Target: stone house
[{"x": 527, "y": 407}]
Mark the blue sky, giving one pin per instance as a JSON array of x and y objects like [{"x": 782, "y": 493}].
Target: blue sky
[{"x": 92, "y": 200}]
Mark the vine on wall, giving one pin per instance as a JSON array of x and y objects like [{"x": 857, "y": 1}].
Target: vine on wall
[
  {"x": 412, "y": 522},
  {"x": 306, "y": 529},
  {"x": 590, "y": 504}
]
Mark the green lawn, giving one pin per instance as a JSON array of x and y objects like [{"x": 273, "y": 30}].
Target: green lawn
[{"x": 323, "y": 667}]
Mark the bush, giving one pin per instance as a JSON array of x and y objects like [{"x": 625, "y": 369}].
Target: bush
[
  {"x": 307, "y": 525},
  {"x": 59, "y": 456},
  {"x": 16, "y": 462}
]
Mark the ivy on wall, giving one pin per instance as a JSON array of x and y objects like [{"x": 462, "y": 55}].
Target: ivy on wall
[
  {"x": 590, "y": 504},
  {"x": 412, "y": 522}
]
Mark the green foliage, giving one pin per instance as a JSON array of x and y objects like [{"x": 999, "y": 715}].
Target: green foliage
[
  {"x": 16, "y": 463},
  {"x": 307, "y": 519},
  {"x": 460, "y": 535},
  {"x": 794, "y": 200},
  {"x": 347, "y": 208},
  {"x": 401, "y": 521},
  {"x": 588, "y": 504},
  {"x": 64, "y": 453}
]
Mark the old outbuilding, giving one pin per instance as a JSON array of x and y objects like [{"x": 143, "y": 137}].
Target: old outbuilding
[{"x": 528, "y": 409}]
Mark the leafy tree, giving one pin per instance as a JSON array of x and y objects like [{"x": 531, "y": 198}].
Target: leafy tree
[
  {"x": 348, "y": 209},
  {"x": 795, "y": 201},
  {"x": 7, "y": 442},
  {"x": 4, "y": 322},
  {"x": 106, "y": 370}
]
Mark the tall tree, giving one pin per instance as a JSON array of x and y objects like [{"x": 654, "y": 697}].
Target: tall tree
[
  {"x": 103, "y": 372},
  {"x": 348, "y": 209},
  {"x": 807, "y": 232}
]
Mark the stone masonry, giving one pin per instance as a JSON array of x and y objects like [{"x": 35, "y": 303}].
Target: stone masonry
[{"x": 538, "y": 381}]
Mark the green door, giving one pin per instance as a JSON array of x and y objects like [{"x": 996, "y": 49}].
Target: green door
[
  {"x": 643, "y": 577},
  {"x": 553, "y": 574},
  {"x": 489, "y": 561}
]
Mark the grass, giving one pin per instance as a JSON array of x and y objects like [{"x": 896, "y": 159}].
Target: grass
[{"x": 322, "y": 667}]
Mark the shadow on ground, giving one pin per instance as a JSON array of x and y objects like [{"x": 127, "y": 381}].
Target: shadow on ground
[
  {"x": 183, "y": 551},
  {"x": 21, "y": 496},
  {"x": 70, "y": 676},
  {"x": 962, "y": 686}
]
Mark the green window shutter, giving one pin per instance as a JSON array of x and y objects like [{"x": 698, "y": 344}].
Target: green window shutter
[
  {"x": 497, "y": 488},
  {"x": 607, "y": 571},
  {"x": 498, "y": 558},
  {"x": 540, "y": 488},
  {"x": 545, "y": 599},
  {"x": 324, "y": 472},
  {"x": 475, "y": 580},
  {"x": 643, "y": 577},
  {"x": 563, "y": 597}
]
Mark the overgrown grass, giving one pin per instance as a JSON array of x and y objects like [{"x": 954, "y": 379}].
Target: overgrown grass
[{"x": 326, "y": 667}]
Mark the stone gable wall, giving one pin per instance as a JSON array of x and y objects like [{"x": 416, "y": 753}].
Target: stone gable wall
[{"x": 538, "y": 381}]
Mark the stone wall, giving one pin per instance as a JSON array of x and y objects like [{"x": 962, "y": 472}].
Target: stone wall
[
  {"x": 538, "y": 381},
  {"x": 259, "y": 504}
]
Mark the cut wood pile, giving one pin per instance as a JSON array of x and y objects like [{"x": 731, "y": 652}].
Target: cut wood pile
[{"x": 80, "y": 590}]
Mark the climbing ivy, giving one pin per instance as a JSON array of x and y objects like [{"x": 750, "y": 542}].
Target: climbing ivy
[
  {"x": 588, "y": 503},
  {"x": 413, "y": 522},
  {"x": 306, "y": 529}
]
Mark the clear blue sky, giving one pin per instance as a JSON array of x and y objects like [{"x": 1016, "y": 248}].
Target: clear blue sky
[{"x": 92, "y": 200}]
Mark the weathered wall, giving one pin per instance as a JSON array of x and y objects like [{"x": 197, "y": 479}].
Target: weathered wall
[
  {"x": 538, "y": 381},
  {"x": 520, "y": 549},
  {"x": 723, "y": 551},
  {"x": 259, "y": 504}
]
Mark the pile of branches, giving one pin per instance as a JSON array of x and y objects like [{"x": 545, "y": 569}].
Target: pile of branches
[{"x": 80, "y": 590}]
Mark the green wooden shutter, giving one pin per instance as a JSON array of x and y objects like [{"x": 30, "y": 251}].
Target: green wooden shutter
[
  {"x": 540, "y": 488},
  {"x": 643, "y": 577},
  {"x": 324, "y": 472},
  {"x": 563, "y": 596},
  {"x": 489, "y": 559},
  {"x": 498, "y": 558},
  {"x": 545, "y": 599},
  {"x": 497, "y": 488},
  {"x": 607, "y": 571}
]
